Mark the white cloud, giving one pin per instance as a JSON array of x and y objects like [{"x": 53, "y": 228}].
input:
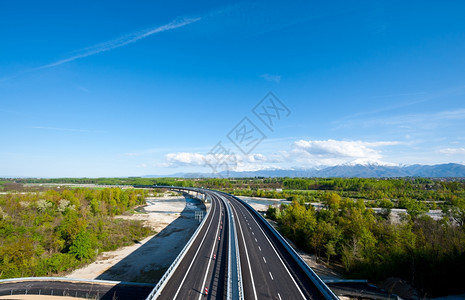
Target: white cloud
[
  {"x": 453, "y": 151},
  {"x": 334, "y": 152},
  {"x": 272, "y": 78},
  {"x": 303, "y": 154},
  {"x": 185, "y": 159},
  {"x": 249, "y": 162},
  {"x": 333, "y": 148}
]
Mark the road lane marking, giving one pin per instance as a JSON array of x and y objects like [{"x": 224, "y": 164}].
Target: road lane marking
[
  {"x": 209, "y": 261},
  {"x": 279, "y": 296},
  {"x": 253, "y": 233},
  {"x": 256, "y": 239},
  {"x": 247, "y": 255},
  {"x": 259, "y": 248},
  {"x": 195, "y": 255},
  {"x": 264, "y": 259},
  {"x": 271, "y": 275},
  {"x": 279, "y": 257}
]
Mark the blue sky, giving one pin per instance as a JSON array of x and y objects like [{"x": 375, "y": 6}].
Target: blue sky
[{"x": 112, "y": 88}]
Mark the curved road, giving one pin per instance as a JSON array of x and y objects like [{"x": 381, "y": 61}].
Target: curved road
[
  {"x": 268, "y": 269},
  {"x": 74, "y": 288},
  {"x": 205, "y": 263}
]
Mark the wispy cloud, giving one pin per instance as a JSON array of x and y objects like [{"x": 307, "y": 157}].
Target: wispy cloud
[
  {"x": 424, "y": 120},
  {"x": 402, "y": 100},
  {"x": 122, "y": 41},
  {"x": 453, "y": 151},
  {"x": 408, "y": 123},
  {"x": 66, "y": 129},
  {"x": 272, "y": 78},
  {"x": 110, "y": 45}
]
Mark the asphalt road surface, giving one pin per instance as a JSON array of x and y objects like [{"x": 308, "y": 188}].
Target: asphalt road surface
[
  {"x": 205, "y": 264},
  {"x": 77, "y": 289},
  {"x": 268, "y": 270}
]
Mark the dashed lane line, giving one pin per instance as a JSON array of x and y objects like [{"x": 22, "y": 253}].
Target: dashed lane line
[
  {"x": 276, "y": 252},
  {"x": 195, "y": 255}
]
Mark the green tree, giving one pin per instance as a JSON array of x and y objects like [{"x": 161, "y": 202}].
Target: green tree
[
  {"x": 83, "y": 245},
  {"x": 457, "y": 211}
]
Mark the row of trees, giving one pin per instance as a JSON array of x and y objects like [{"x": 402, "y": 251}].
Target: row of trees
[
  {"x": 369, "y": 188},
  {"x": 109, "y": 181},
  {"x": 426, "y": 252},
  {"x": 423, "y": 189},
  {"x": 51, "y": 232}
]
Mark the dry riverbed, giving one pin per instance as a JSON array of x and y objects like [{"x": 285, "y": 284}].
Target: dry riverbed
[{"x": 173, "y": 218}]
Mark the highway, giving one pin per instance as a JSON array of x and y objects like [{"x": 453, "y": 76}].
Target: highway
[
  {"x": 205, "y": 263},
  {"x": 268, "y": 271},
  {"x": 234, "y": 254}
]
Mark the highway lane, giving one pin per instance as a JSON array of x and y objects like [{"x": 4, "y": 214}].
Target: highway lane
[
  {"x": 93, "y": 290},
  {"x": 199, "y": 269},
  {"x": 268, "y": 271}
]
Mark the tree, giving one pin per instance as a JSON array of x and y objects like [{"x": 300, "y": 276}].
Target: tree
[
  {"x": 457, "y": 211},
  {"x": 83, "y": 245},
  {"x": 331, "y": 201},
  {"x": 415, "y": 208},
  {"x": 386, "y": 206},
  {"x": 330, "y": 250}
]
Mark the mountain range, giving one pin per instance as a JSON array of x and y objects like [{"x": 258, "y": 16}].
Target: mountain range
[{"x": 358, "y": 170}]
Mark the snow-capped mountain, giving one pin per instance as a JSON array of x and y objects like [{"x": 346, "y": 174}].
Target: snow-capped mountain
[{"x": 362, "y": 169}]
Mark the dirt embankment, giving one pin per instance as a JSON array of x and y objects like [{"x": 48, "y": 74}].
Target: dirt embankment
[{"x": 173, "y": 218}]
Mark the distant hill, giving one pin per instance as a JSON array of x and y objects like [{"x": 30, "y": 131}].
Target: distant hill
[{"x": 358, "y": 170}]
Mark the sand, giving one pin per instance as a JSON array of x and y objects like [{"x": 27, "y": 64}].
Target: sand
[{"x": 174, "y": 220}]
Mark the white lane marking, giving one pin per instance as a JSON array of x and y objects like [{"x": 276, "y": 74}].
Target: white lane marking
[
  {"x": 264, "y": 259},
  {"x": 253, "y": 233},
  {"x": 247, "y": 255},
  {"x": 250, "y": 228},
  {"x": 195, "y": 255},
  {"x": 256, "y": 239},
  {"x": 279, "y": 257},
  {"x": 259, "y": 248},
  {"x": 271, "y": 275},
  {"x": 209, "y": 262},
  {"x": 279, "y": 296}
]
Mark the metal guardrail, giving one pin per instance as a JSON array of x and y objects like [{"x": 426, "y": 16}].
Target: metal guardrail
[
  {"x": 26, "y": 286},
  {"x": 238, "y": 262},
  {"x": 163, "y": 281},
  {"x": 322, "y": 287},
  {"x": 61, "y": 279},
  {"x": 229, "y": 289},
  {"x": 235, "y": 285}
]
